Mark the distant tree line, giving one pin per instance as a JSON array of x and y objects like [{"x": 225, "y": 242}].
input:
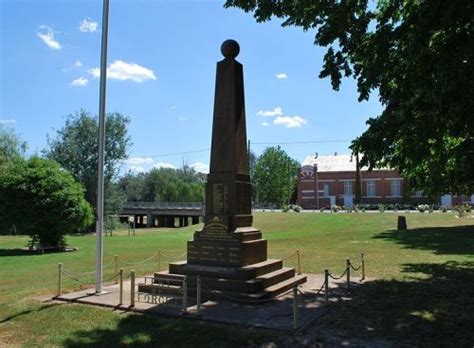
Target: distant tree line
[{"x": 163, "y": 185}]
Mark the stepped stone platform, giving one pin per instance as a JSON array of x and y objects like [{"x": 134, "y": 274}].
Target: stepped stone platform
[{"x": 260, "y": 281}]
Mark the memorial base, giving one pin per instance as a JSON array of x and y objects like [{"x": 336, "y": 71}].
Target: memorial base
[{"x": 235, "y": 269}]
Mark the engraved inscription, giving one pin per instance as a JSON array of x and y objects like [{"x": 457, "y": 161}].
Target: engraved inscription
[{"x": 219, "y": 199}]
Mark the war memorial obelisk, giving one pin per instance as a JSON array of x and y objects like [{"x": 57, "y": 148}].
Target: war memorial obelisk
[{"x": 228, "y": 253}]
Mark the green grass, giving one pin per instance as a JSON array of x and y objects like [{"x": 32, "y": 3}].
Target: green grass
[{"x": 424, "y": 278}]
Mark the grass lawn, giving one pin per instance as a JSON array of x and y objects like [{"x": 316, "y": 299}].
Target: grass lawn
[{"x": 423, "y": 293}]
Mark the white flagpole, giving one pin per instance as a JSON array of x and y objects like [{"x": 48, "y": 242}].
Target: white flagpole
[{"x": 100, "y": 174}]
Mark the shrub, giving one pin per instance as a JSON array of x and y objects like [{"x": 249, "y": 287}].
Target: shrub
[
  {"x": 37, "y": 197},
  {"x": 296, "y": 208},
  {"x": 422, "y": 207},
  {"x": 322, "y": 209},
  {"x": 462, "y": 210},
  {"x": 381, "y": 208},
  {"x": 443, "y": 208},
  {"x": 335, "y": 208}
]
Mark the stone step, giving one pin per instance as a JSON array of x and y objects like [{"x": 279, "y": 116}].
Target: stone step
[
  {"x": 248, "y": 286},
  {"x": 261, "y": 297},
  {"x": 242, "y": 273}
]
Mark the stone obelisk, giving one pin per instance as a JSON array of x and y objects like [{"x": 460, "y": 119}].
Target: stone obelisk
[
  {"x": 228, "y": 250},
  {"x": 227, "y": 237}
]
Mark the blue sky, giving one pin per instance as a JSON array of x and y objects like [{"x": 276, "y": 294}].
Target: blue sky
[{"x": 162, "y": 58}]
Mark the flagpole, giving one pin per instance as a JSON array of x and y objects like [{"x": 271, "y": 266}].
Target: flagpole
[{"x": 100, "y": 172}]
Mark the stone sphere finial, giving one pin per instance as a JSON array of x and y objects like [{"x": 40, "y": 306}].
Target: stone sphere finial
[{"x": 230, "y": 48}]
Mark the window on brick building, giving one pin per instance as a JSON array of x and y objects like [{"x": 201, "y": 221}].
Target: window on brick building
[
  {"x": 418, "y": 193},
  {"x": 371, "y": 188},
  {"x": 326, "y": 190},
  {"x": 347, "y": 187},
  {"x": 395, "y": 188}
]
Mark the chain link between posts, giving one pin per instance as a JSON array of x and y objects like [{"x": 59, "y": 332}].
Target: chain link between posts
[{"x": 73, "y": 276}]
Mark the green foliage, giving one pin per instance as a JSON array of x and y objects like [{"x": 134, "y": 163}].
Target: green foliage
[
  {"x": 275, "y": 176},
  {"x": 11, "y": 146},
  {"x": 75, "y": 148},
  {"x": 418, "y": 57},
  {"x": 164, "y": 185},
  {"x": 39, "y": 198}
]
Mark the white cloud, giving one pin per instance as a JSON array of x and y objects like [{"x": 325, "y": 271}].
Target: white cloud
[
  {"x": 265, "y": 124},
  {"x": 278, "y": 111},
  {"x": 135, "y": 161},
  {"x": 290, "y": 121},
  {"x": 77, "y": 63},
  {"x": 136, "y": 169},
  {"x": 88, "y": 25},
  {"x": 164, "y": 165},
  {"x": 120, "y": 70},
  {"x": 80, "y": 82},
  {"x": 200, "y": 167},
  {"x": 46, "y": 35},
  {"x": 173, "y": 107},
  {"x": 281, "y": 76},
  {"x": 7, "y": 121}
]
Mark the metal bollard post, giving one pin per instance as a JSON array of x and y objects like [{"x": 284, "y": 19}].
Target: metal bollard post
[
  {"x": 116, "y": 267},
  {"x": 348, "y": 270},
  {"x": 158, "y": 260},
  {"x": 198, "y": 294},
  {"x": 326, "y": 286},
  {"x": 298, "y": 258},
  {"x": 362, "y": 263},
  {"x": 60, "y": 279},
  {"x": 185, "y": 294},
  {"x": 132, "y": 289},
  {"x": 295, "y": 307},
  {"x": 121, "y": 286}
]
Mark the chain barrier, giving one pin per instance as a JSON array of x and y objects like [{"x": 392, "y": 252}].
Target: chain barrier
[
  {"x": 137, "y": 263},
  {"x": 289, "y": 257},
  {"x": 355, "y": 268},
  {"x": 72, "y": 276},
  {"x": 313, "y": 295},
  {"x": 337, "y": 278},
  {"x": 173, "y": 257}
]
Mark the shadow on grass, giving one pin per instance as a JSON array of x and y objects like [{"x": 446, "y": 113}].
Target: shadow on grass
[
  {"x": 28, "y": 311},
  {"x": 434, "y": 306},
  {"x": 26, "y": 252},
  {"x": 442, "y": 240},
  {"x": 150, "y": 331}
]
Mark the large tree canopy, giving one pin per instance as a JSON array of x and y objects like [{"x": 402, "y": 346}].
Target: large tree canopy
[
  {"x": 419, "y": 56},
  {"x": 75, "y": 148}
]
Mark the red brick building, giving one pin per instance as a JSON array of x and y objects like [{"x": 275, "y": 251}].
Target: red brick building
[{"x": 324, "y": 181}]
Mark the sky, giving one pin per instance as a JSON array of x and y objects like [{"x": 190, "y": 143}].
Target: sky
[{"x": 162, "y": 58}]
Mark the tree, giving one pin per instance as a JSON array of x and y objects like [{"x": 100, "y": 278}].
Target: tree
[
  {"x": 75, "y": 148},
  {"x": 39, "y": 198},
  {"x": 11, "y": 146},
  {"x": 164, "y": 185},
  {"x": 275, "y": 176},
  {"x": 419, "y": 57}
]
